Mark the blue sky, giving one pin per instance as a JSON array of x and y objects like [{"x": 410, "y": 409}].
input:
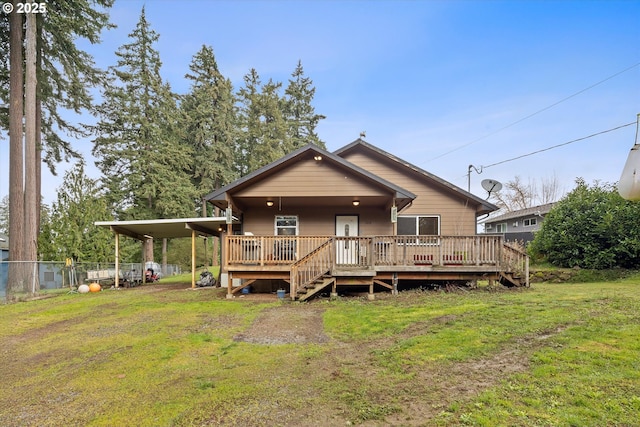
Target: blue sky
[{"x": 442, "y": 84}]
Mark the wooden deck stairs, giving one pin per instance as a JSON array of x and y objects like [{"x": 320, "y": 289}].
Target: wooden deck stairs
[
  {"x": 512, "y": 279},
  {"x": 310, "y": 289}
]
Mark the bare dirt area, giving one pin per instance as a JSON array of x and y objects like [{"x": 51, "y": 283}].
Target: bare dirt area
[
  {"x": 438, "y": 387},
  {"x": 292, "y": 324}
]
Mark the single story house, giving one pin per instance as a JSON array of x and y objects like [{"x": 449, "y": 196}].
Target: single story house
[
  {"x": 519, "y": 225},
  {"x": 359, "y": 216}
]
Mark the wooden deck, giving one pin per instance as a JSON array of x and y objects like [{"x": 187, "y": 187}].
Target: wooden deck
[{"x": 308, "y": 263}]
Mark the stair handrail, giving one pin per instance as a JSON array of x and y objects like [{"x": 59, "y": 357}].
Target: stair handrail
[
  {"x": 319, "y": 261},
  {"x": 516, "y": 260}
]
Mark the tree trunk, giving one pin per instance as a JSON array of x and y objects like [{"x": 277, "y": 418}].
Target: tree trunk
[
  {"x": 38, "y": 125},
  {"x": 30, "y": 187},
  {"x": 16, "y": 282}
]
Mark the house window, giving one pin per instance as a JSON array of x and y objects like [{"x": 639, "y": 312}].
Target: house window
[
  {"x": 419, "y": 226},
  {"x": 286, "y": 225},
  {"x": 530, "y": 222},
  {"x": 501, "y": 228}
]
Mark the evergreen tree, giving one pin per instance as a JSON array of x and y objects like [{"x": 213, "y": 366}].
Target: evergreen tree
[
  {"x": 67, "y": 74},
  {"x": 17, "y": 280},
  {"x": 57, "y": 75},
  {"x": 248, "y": 121},
  {"x": 301, "y": 117},
  {"x": 263, "y": 132},
  {"x": 68, "y": 228},
  {"x": 145, "y": 167},
  {"x": 209, "y": 124}
]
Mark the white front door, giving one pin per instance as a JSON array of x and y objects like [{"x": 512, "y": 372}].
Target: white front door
[{"x": 346, "y": 249}]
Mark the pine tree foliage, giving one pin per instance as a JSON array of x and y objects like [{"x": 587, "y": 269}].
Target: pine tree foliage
[
  {"x": 66, "y": 74},
  {"x": 300, "y": 114},
  {"x": 263, "y": 136},
  {"x": 145, "y": 167},
  {"x": 209, "y": 124},
  {"x": 68, "y": 229}
]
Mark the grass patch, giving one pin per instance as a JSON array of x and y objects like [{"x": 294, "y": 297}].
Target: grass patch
[
  {"x": 554, "y": 354},
  {"x": 186, "y": 277}
]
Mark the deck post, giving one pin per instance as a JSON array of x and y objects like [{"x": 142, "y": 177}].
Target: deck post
[
  {"x": 371, "y": 296},
  {"x": 394, "y": 282},
  {"x": 230, "y": 286},
  {"x": 334, "y": 290}
]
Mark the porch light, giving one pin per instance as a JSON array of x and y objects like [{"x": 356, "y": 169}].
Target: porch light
[
  {"x": 356, "y": 202},
  {"x": 317, "y": 157},
  {"x": 269, "y": 203}
]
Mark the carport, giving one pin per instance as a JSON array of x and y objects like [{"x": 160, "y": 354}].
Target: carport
[{"x": 166, "y": 228}]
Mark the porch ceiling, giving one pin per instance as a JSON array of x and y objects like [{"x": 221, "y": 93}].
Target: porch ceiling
[{"x": 379, "y": 202}]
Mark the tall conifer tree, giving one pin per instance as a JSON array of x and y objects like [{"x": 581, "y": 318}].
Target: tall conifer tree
[
  {"x": 61, "y": 76},
  {"x": 146, "y": 170},
  {"x": 300, "y": 114},
  {"x": 263, "y": 134},
  {"x": 208, "y": 115}
]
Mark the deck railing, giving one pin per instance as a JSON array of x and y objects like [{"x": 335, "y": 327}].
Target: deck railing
[
  {"x": 370, "y": 251},
  {"x": 437, "y": 250},
  {"x": 270, "y": 250},
  {"x": 516, "y": 261}
]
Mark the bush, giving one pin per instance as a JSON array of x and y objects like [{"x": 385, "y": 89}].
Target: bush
[{"x": 592, "y": 227}]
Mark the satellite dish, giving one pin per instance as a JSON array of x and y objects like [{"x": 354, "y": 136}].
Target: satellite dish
[{"x": 491, "y": 185}]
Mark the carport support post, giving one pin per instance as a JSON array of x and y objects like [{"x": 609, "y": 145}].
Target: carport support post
[
  {"x": 143, "y": 273},
  {"x": 117, "y": 278},
  {"x": 193, "y": 259}
]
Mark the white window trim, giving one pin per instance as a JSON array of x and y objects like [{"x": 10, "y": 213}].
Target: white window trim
[{"x": 275, "y": 223}]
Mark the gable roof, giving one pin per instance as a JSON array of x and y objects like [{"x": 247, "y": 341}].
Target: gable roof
[
  {"x": 484, "y": 206},
  {"x": 533, "y": 211},
  {"x": 219, "y": 197}
]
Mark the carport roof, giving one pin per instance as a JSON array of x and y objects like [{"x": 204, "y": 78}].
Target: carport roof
[{"x": 161, "y": 228}]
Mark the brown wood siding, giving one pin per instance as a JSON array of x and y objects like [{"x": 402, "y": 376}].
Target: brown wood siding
[
  {"x": 309, "y": 178},
  {"x": 457, "y": 217},
  {"x": 318, "y": 221}
]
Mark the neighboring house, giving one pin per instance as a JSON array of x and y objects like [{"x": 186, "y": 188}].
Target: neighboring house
[
  {"x": 518, "y": 225},
  {"x": 358, "y": 216}
]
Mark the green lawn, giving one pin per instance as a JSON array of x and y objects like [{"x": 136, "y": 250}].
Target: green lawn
[{"x": 551, "y": 355}]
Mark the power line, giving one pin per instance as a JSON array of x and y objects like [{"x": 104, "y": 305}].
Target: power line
[
  {"x": 560, "y": 145},
  {"x": 537, "y": 112}
]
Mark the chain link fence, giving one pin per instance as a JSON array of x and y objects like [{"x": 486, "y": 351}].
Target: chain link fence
[{"x": 40, "y": 275}]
